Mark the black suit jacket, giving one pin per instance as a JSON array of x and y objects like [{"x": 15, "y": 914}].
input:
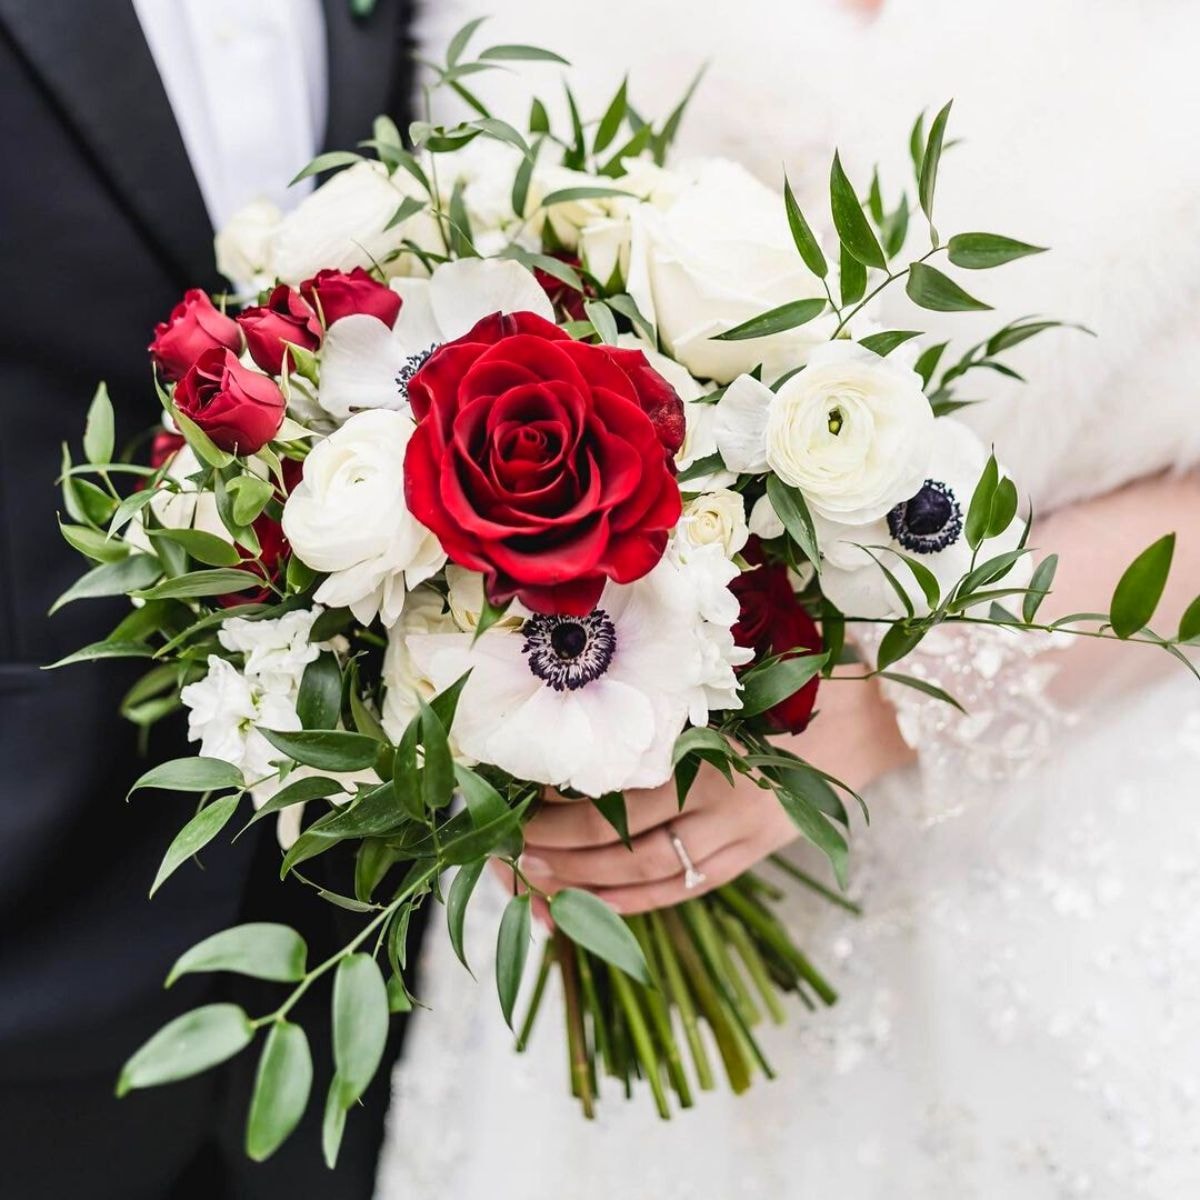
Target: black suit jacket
[{"x": 102, "y": 227}]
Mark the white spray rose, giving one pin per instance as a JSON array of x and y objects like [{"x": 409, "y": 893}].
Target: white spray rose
[
  {"x": 715, "y": 518},
  {"x": 719, "y": 255},
  {"x": 851, "y": 432},
  {"x": 347, "y": 518}
]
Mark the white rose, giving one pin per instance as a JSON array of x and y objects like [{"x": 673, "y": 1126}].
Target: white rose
[
  {"x": 347, "y": 517},
  {"x": 243, "y": 246},
  {"x": 719, "y": 255},
  {"x": 342, "y": 225},
  {"x": 715, "y": 518},
  {"x": 851, "y": 432}
]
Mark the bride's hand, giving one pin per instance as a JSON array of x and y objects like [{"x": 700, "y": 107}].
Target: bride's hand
[{"x": 724, "y": 829}]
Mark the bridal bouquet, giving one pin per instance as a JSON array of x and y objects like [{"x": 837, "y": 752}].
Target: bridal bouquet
[{"x": 523, "y": 458}]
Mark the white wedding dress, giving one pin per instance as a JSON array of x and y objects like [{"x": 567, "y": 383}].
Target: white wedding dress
[{"x": 1020, "y": 1013}]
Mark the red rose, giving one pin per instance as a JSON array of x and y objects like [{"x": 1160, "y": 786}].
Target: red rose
[
  {"x": 285, "y": 319},
  {"x": 163, "y": 448},
  {"x": 773, "y": 621},
  {"x": 193, "y": 327},
  {"x": 269, "y": 563},
  {"x": 239, "y": 409},
  {"x": 337, "y": 294},
  {"x": 543, "y": 462},
  {"x": 563, "y": 296}
]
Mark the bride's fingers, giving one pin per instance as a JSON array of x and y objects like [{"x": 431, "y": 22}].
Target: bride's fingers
[
  {"x": 652, "y": 857},
  {"x": 728, "y": 863},
  {"x": 567, "y": 824}
]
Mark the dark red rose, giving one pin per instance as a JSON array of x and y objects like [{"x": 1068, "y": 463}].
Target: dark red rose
[
  {"x": 337, "y": 294},
  {"x": 566, "y": 299},
  {"x": 238, "y": 408},
  {"x": 163, "y": 448},
  {"x": 274, "y": 546},
  {"x": 543, "y": 462},
  {"x": 773, "y": 621},
  {"x": 193, "y": 327},
  {"x": 286, "y": 319}
]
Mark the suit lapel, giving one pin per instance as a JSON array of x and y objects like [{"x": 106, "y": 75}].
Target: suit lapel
[
  {"x": 95, "y": 63},
  {"x": 368, "y": 68}
]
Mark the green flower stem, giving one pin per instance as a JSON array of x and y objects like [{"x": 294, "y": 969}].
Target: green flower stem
[
  {"x": 713, "y": 945},
  {"x": 735, "y": 931},
  {"x": 815, "y": 885},
  {"x": 737, "y": 1070},
  {"x": 535, "y": 1001},
  {"x": 600, "y": 1035},
  {"x": 681, "y": 996},
  {"x": 887, "y": 282},
  {"x": 642, "y": 1043},
  {"x": 581, "y": 1075},
  {"x": 660, "y": 1016}
]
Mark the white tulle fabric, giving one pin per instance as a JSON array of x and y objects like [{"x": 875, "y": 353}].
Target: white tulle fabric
[{"x": 1021, "y": 999}]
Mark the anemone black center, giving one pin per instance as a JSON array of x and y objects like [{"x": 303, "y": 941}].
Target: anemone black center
[
  {"x": 928, "y": 522},
  {"x": 411, "y": 366},
  {"x": 569, "y": 652}
]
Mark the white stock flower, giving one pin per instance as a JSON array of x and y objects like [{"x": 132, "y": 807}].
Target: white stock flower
[
  {"x": 717, "y": 517},
  {"x": 244, "y": 245},
  {"x": 366, "y": 365},
  {"x": 185, "y": 508},
  {"x": 597, "y": 702},
  {"x": 719, "y": 255},
  {"x": 851, "y": 431},
  {"x": 347, "y": 518},
  {"x": 343, "y": 224},
  {"x": 927, "y": 526},
  {"x": 275, "y": 651}
]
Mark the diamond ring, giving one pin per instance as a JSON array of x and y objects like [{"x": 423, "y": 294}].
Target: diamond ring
[{"x": 692, "y": 878}]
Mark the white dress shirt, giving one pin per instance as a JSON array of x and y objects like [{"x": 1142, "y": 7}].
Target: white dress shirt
[{"x": 247, "y": 82}]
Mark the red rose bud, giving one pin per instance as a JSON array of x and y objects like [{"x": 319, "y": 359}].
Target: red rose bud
[
  {"x": 543, "y": 462},
  {"x": 193, "y": 327},
  {"x": 239, "y": 409},
  {"x": 566, "y": 299},
  {"x": 773, "y": 621},
  {"x": 285, "y": 319},
  {"x": 163, "y": 448},
  {"x": 338, "y": 294}
]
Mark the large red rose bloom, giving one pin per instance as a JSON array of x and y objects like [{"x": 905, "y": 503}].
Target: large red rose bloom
[
  {"x": 772, "y": 621},
  {"x": 543, "y": 462}
]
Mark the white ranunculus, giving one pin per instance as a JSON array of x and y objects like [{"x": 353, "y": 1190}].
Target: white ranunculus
[
  {"x": 719, "y": 255},
  {"x": 347, "y": 518},
  {"x": 366, "y": 365},
  {"x": 343, "y": 224},
  {"x": 615, "y": 689},
  {"x": 244, "y": 246},
  {"x": 927, "y": 526},
  {"x": 717, "y": 517},
  {"x": 851, "y": 432}
]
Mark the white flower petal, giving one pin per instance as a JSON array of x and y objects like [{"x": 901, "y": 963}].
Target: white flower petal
[
  {"x": 360, "y": 359},
  {"x": 740, "y": 425},
  {"x": 464, "y": 292}
]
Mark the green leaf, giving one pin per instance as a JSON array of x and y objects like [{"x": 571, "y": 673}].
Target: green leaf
[
  {"x": 595, "y": 926},
  {"x": 1021, "y": 331},
  {"x": 815, "y": 828},
  {"x": 884, "y": 343},
  {"x": 767, "y": 686},
  {"x": 1004, "y": 507},
  {"x": 520, "y": 187},
  {"x": 923, "y": 685},
  {"x": 203, "y": 547},
  {"x": 979, "y": 251},
  {"x": 895, "y": 229},
  {"x": 327, "y": 750},
  {"x": 92, "y": 543},
  {"x": 327, "y": 162},
  {"x": 853, "y": 228},
  {"x": 1189, "y": 623},
  {"x": 539, "y": 118},
  {"x": 112, "y": 579},
  {"x": 792, "y": 509},
  {"x": 930, "y": 289},
  {"x": 188, "y": 1045},
  {"x": 601, "y": 317},
  {"x": 806, "y": 241},
  {"x": 926, "y": 579},
  {"x": 900, "y": 639},
  {"x": 853, "y": 278},
  {"x": 281, "y": 1090},
  {"x": 191, "y": 774},
  {"x": 583, "y": 192},
  {"x": 610, "y": 123},
  {"x": 299, "y": 791},
  {"x": 518, "y": 53},
  {"x": 930, "y": 160},
  {"x": 219, "y": 581},
  {"x": 437, "y": 772},
  {"x": 512, "y": 949},
  {"x": 333, "y": 1124},
  {"x": 205, "y": 448},
  {"x": 1141, "y": 587},
  {"x": 927, "y": 362},
  {"x": 195, "y": 835},
  {"x": 979, "y": 511},
  {"x": 611, "y": 806},
  {"x": 250, "y": 496},
  {"x": 483, "y": 802},
  {"x": 99, "y": 650},
  {"x": 458, "y": 43},
  {"x": 259, "y": 949},
  {"x": 319, "y": 702},
  {"x": 456, "y": 904},
  {"x": 776, "y": 320},
  {"x": 98, "y": 433},
  {"x": 476, "y": 843},
  {"x": 409, "y": 206},
  {"x": 1039, "y": 587},
  {"x": 360, "y": 1024}
]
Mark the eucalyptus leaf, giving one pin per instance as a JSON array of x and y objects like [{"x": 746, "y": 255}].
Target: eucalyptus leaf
[
  {"x": 259, "y": 949},
  {"x": 112, "y": 579},
  {"x": 319, "y": 702},
  {"x": 611, "y": 806},
  {"x": 360, "y": 1024},
  {"x": 457, "y": 900},
  {"x": 980, "y": 251},
  {"x": 884, "y": 343},
  {"x": 979, "y": 511},
  {"x": 512, "y": 950},
  {"x": 1039, "y": 587},
  {"x": 217, "y": 581},
  {"x": 807, "y": 244},
  {"x": 188, "y": 1045},
  {"x": 930, "y": 161},
  {"x": 193, "y": 773},
  {"x": 109, "y": 649},
  {"x": 195, "y": 835},
  {"x": 901, "y": 639},
  {"x": 791, "y": 508},
  {"x": 923, "y": 686},
  {"x": 327, "y": 750},
  {"x": 767, "y": 686},
  {"x": 98, "y": 433},
  {"x": 853, "y": 278},
  {"x": 1141, "y": 587},
  {"x": 281, "y": 1089},
  {"x": 1189, "y": 623},
  {"x": 519, "y": 53},
  {"x": 327, "y": 162},
  {"x": 203, "y": 547},
  {"x": 815, "y": 828},
  {"x": 776, "y": 320},
  {"x": 853, "y": 229},
  {"x": 929, "y": 288}
]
